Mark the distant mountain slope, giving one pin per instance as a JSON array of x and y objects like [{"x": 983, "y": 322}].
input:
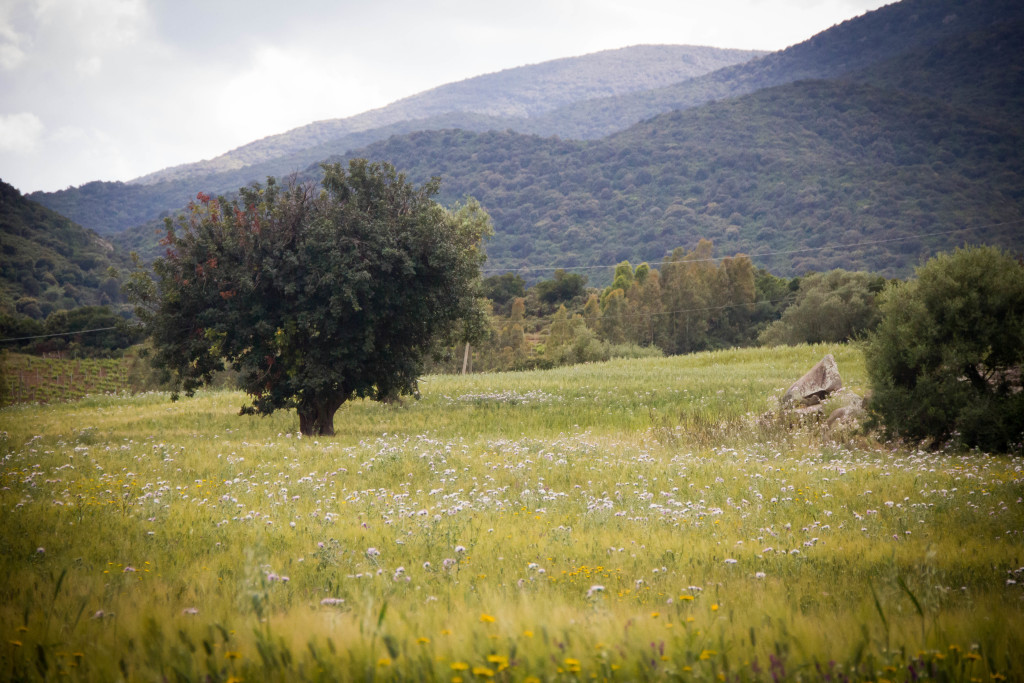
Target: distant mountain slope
[
  {"x": 909, "y": 30},
  {"x": 50, "y": 263},
  {"x": 910, "y": 26},
  {"x": 829, "y": 173},
  {"x": 519, "y": 92}
]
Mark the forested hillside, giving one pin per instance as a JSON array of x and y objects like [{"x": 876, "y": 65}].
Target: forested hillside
[
  {"x": 910, "y": 27},
  {"x": 49, "y": 263},
  {"x": 903, "y": 138},
  {"x": 499, "y": 101},
  {"x": 837, "y": 174}
]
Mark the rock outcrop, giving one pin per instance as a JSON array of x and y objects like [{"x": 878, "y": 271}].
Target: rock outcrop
[{"x": 819, "y": 383}]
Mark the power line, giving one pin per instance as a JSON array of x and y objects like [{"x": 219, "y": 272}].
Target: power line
[
  {"x": 58, "y": 334},
  {"x": 763, "y": 253}
]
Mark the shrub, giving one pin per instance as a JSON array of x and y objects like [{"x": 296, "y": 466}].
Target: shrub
[{"x": 945, "y": 360}]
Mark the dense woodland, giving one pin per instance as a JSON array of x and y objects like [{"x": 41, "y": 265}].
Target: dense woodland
[{"x": 51, "y": 264}]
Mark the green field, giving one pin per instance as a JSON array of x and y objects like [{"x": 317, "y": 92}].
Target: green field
[
  {"x": 631, "y": 520},
  {"x": 32, "y": 379}
]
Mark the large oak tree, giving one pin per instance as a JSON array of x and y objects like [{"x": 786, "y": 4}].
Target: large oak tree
[{"x": 316, "y": 295}]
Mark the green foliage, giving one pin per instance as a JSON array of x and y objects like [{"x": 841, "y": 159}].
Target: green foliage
[
  {"x": 829, "y": 307},
  {"x": 316, "y": 297},
  {"x": 563, "y": 287},
  {"x": 946, "y": 359},
  {"x": 501, "y": 289},
  {"x": 50, "y": 264}
]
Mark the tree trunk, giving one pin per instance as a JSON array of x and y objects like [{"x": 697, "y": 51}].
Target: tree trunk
[{"x": 316, "y": 418}]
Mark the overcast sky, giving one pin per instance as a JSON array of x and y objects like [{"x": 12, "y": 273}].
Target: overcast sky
[{"x": 115, "y": 89}]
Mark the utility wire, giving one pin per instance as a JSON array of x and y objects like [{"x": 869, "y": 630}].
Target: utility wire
[
  {"x": 58, "y": 334},
  {"x": 649, "y": 263}
]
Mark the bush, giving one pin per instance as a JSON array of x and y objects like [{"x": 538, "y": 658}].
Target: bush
[
  {"x": 945, "y": 360},
  {"x": 830, "y": 307}
]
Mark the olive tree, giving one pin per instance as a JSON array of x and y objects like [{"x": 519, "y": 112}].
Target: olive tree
[
  {"x": 945, "y": 360},
  {"x": 315, "y": 295}
]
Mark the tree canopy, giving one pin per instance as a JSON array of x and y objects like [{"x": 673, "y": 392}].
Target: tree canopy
[
  {"x": 315, "y": 295},
  {"x": 945, "y": 360}
]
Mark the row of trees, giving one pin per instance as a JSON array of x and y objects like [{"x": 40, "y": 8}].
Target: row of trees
[{"x": 694, "y": 302}]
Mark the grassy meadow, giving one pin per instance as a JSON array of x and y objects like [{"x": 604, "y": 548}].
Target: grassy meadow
[{"x": 630, "y": 520}]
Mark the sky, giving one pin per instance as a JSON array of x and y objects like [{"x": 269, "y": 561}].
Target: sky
[{"x": 115, "y": 89}]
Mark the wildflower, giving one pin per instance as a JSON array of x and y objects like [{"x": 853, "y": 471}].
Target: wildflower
[
  {"x": 230, "y": 654},
  {"x": 327, "y": 602},
  {"x": 594, "y": 590},
  {"x": 460, "y": 549},
  {"x": 423, "y": 640},
  {"x": 190, "y": 610},
  {"x": 730, "y": 561},
  {"x": 372, "y": 552},
  {"x": 487, "y": 619},
  {"x": 483, "y": 671},
  {"x": 714, "y": 607},
  {"x": 759, "y": 575},
  {"x": 707, "y": 654},
  {"x": 460, "y": 666},
  {"x": 384, "y": 661}
]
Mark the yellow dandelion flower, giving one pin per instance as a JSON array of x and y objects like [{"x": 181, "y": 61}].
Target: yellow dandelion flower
[
  {"x": 460, "y": 666},
  {"x": 655, "y": 615},
  {"x": 384, "y": 661},
  {"x": 230, "y": 654},
  {"x": 531, "y": 679},
  {"x": 483, "y": 671},
  {"x": 423, "y": 640},
  {"x": 707, "y": 654},
  {"x": 15, "y": 643},
  {"x": 528, "y": 634},
  {"x": 973, "y": 656},
  {"x": 714, "y": 607},
  {"x": 497, "y": 659},
  {"x": 487, "y": 619}
]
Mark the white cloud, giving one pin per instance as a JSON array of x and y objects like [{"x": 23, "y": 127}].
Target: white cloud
[
  {"x": 20, "y": 133},
  {"x": 11, "y": 56}
]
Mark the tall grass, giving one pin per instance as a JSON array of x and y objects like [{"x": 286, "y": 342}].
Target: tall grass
[{"x": 631, "y": 520}]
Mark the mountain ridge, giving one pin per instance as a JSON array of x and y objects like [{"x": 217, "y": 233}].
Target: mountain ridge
[{"x": 517, "y": 92}]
